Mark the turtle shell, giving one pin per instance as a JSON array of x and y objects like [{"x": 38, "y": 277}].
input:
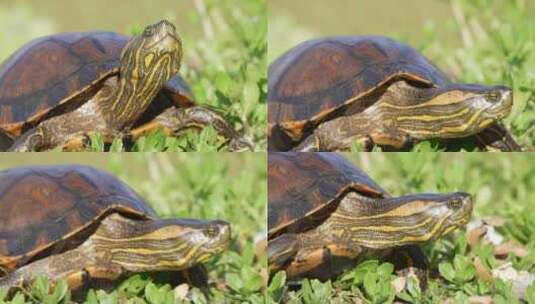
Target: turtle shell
[
  {"x": 51, "y": 209},
  {"x": 303, "y": 186},
  {"x": 320, "y": 77},
  {"x": 61, "y": 70}
]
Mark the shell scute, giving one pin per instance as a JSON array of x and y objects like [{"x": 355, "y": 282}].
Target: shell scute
[
  {"x": 49, "y": 206},
  {"x": 301, "y": 185}
]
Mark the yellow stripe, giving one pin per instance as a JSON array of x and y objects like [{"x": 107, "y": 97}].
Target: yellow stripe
[
  {"x": 433, "y": 118},
  {"x": 392, "y": 228},
  {"x": 157, "y": 235},
  {"x": 410, "y": 239},
  {"x": 174, "y": 264},
  {"x": 455, "y": 129},
  {"x": 405, "y": 210},
  {"x": 143, "y": 250}
]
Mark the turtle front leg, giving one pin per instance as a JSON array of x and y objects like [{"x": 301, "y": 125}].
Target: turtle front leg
[
  {"x": 497, "y": 138},
  {"x": 41, "y": 138},
  {"x": 281, "y": 251},
  {"x": 70, "y": 130},
  {"x": 174, "y": 120},
  {"x": 340, "y": 133},
  {"x": 310, "y": 256},
  {"x": 76, "y": 267},
  {"x": 410, "y": 260},
  {"x": 33, "y": 140},
  {"x": 323, "y": 262}
]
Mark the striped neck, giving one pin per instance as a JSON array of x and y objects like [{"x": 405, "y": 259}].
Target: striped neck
[
  {"x": 157, "y": 245},
  {"x": 126, "y": 100},
  {"x": 389, "y": 222}
]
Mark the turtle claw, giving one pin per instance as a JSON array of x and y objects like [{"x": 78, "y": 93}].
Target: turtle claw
[
  {"x": 240, "y": 144},
  {"x": 30, "y": 141}
]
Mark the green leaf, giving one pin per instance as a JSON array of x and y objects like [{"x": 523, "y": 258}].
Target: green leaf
[
  {"x": 413, "y": 287},
  {"x": 276, "y": 287},
  {"x": 133, "y": 285},
  {"x": 385, "y": 270},
  {"x": 464, "y": 269},
  {"x": 159, "y": 295},
  {"x": 96, "y": 142},
  {"x": 446, "y": 271},
  {"x": 234, "y": 281},
  {"x": 362, "y": 269},
  {"x": 252, "y": 280},
  {"x": 117, "y": 145},
  {"x": 18, "y": 299}
]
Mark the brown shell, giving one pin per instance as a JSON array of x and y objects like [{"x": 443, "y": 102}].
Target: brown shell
[
  {"x": 54, "y": 70},
  {"x": 50, "y": 71},
  {"x": 301, "y": 185},
  {"x": 318, "y": 77},
  {"x": 46, "y": 209}
]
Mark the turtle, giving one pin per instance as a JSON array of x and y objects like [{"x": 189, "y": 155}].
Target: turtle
[
  {"x": 83, "y": 225},
  {"x": 328, "y": 93},
  {"x": 58, "y": 89},
  {"x": 325, "y": 214}
]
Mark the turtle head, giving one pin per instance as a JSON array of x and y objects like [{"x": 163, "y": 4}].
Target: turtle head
[
  {"x": 211, "y": 238},
  {"x": 457, "y": 110},
  {"x": 152, "y": 57},
  {"x": 193, "y": 242},
  {"x": 444, "y": 212},
  {"x": 158, "y": 245},
  {"x": 430, "y": 216},
  {"x": 411, "y": 219},
  {"x": 487, "y": 104}
]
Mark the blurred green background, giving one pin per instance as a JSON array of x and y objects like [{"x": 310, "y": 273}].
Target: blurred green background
[
  {"x": 23, "y": 20},
  {"x": 190, "y": 185},
  {"x": 291, "y": 22},
  {"x": 501, "y": 184},
  {"x": 474, "y": 41},
  {"x": 224, "y": 51}
]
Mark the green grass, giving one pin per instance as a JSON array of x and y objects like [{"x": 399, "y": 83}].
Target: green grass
[
  {"x": 200, "y": 185},
  {"x": 493, "y": 43},
  {"x": 502, "y": 186},
  {"x": 225, "y": 66}
]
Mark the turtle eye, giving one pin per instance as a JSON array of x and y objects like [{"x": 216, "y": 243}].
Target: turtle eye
[
  {"x": 148, "y": 31},
  {"x": 455, "y": 204},
  {"x": 493, "y": 96},
  {"x": 210, "y": 232}
]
